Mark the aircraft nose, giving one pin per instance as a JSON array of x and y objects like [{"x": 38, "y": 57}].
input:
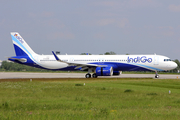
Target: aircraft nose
[{"x": 173, "y": 65}]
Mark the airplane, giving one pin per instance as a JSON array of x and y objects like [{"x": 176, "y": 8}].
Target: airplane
[{"x": 99, "y": 65}]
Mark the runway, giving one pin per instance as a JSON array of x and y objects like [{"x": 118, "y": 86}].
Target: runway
[{"x": 16, "y": 75}]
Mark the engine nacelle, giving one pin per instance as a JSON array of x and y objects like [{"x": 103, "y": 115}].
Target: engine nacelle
[{"x": 104, "y": 71}]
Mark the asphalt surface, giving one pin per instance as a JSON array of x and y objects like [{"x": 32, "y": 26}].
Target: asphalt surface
[{"x": 15, "y": 75}]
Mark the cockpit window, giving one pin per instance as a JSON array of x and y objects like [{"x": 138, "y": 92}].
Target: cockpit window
[{"x": 167, "y": 59}]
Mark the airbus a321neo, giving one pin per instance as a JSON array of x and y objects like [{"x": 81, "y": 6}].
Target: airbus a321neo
[{"x": 99, "y": 65}]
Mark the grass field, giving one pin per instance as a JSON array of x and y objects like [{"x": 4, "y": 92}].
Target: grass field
[{"x": 52, "y": 99}]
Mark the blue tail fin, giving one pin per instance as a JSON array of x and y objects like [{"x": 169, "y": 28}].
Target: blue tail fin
[{"x": 20, "y": 46}]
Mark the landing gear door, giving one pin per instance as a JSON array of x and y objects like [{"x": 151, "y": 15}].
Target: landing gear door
[{"x": 156, "y": 60}]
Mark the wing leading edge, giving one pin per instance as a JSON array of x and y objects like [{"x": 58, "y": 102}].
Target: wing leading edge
[{"x": 78, "y": 65}]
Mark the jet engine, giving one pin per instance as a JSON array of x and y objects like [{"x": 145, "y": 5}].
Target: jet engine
[{"x": 104, "y": 71}]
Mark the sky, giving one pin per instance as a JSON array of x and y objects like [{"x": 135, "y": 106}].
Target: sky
[{"x": 92, "y": 26}]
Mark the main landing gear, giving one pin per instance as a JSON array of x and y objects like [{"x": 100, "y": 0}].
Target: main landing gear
[
  {"x": 88, "y": 75},
  {"x": 156, "y": 76}
]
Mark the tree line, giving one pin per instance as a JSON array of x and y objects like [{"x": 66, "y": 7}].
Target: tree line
[{"x": 11, "y": 66}]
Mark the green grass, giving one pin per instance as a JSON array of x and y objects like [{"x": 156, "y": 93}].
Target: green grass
[{"x": 127, "y": 98}]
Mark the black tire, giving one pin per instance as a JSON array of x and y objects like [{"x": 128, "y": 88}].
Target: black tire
[
  {"x": 94, "y": 75},
  {"x": 156, "y": 76},
  {"x": 88, "y": 75}
]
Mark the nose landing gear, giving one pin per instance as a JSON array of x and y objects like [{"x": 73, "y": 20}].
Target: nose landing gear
[{"x": 156, "y": 76}]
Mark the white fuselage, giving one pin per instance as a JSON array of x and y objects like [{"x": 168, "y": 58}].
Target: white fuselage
[{"x": 119, "y": 62}]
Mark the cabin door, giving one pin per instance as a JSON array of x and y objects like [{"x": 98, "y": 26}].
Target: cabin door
[{"x": 156, "y": 60}]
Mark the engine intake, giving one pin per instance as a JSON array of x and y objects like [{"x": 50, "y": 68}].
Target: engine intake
[{"x": 104, "y": 71}]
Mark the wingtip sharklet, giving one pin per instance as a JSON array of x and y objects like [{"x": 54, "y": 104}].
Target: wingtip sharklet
[
  {"x": 58, "y": 59},
  {"x": 55, "y": 56}
]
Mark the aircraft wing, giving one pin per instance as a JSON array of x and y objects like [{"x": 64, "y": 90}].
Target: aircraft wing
[{"x": 78, "y": 65}]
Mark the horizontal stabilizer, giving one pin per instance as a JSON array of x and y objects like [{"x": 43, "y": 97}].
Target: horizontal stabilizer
[{"x": 23, "y": 60}]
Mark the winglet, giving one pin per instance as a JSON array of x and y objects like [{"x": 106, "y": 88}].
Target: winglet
[{"x": 56, "y": 56}]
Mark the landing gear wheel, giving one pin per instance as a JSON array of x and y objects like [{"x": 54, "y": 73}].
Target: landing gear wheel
[
  {"x": 156, "y": 76},
  {"x": 94, "y": 75},
  {"x": 88, "y": 75}
]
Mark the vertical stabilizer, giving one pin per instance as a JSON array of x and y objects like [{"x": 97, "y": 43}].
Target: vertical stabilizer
[{"x": 20, "y": 46}]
